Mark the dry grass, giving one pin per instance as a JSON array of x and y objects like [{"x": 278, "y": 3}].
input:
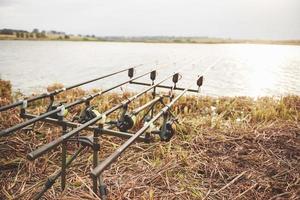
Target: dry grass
[{"x": 225, "y": 148}]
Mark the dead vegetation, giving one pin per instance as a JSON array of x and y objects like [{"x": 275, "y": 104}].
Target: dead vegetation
[{"x": 225, "y": 148}]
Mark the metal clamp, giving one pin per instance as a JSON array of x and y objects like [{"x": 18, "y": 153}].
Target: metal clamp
[
  {"x": 24, "y": 104},
  {"x": 62, "y": 111}
]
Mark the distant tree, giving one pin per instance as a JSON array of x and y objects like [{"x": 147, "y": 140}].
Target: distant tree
[
  {"x": 93, "y": 36},
  {"x": 18, "y": 34},
  {"x": 43, "y": 34},
  {"x": 26, "y": 35},
  {"x": 35, "y": 30},
  {"x": 31, "y": 35},
  {"x": 67, "y": 37},
  {"x": 7, "y": 31}
]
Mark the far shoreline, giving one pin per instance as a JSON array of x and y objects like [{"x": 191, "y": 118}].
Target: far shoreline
[{"x": 153, "y": 41}]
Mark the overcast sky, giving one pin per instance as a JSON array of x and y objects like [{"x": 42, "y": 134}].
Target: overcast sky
[{"x": 254, "y": 19}]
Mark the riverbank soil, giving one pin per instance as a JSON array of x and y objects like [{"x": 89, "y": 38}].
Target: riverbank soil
[{"x": 224, "y": 148}]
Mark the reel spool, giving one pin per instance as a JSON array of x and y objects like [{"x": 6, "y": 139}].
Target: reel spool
[
  {"x": 126, "y": 123},
  {"x": 167, "y": 132},
  {"x": 87, "y": 114},
  {"x": 55, "y": 106}
]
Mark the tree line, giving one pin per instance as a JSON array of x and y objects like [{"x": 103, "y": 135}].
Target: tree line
[{"x": 24, "y": 34}]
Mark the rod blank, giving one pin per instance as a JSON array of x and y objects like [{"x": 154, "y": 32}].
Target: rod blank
[
  {"x": 7, "y": 131},
  {"x": 107, "y": 162},
  {"x": 42, "y": 150},
  {"x": 6, "y": 107}
]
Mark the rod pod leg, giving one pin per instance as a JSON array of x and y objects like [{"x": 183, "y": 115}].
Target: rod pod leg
[
  {"x": 51, "y": 179},
  {"x": 51, "y": 97},
  {"x": 153, "y": 97},
  {"x": 102, "y": 188},
  {"x": 63, "y": 155},
  {"x": 153, "y": 77},
  {"x": 23, "y": 113},
  {"x": 96, "y": 148},
  {"x": 163, "y": 128}
]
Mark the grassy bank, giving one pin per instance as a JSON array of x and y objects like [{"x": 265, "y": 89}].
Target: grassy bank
[{"x": 224, "y": 148}]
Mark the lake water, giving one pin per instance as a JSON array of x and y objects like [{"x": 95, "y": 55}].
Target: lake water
[{"x": 229, "y": 69}]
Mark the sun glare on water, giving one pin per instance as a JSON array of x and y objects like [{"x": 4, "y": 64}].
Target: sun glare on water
[{"x": 263, "y": 68}]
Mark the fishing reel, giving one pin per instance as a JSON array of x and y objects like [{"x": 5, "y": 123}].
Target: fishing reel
[
  {"x": 54, "y": 106},
  {"x": 167, "y": 131},
  {"x": 126, "y": 123},
  {"x": 87, "y": 114}
]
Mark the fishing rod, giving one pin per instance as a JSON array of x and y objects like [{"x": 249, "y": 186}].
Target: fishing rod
[
  {"x": 45, "y": 148},
  {"x": 124, "y": 122},
  {"x": 106, "y": 163},
  {"x": 61, "y": 109},
  {"x": 105, "y": 130},
  {"x": 55, "y": 92},
  {"x": 89, "y": 141}
]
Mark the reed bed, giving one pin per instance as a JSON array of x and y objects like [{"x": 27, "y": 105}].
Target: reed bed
[{"x": 224, "y": 148}]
